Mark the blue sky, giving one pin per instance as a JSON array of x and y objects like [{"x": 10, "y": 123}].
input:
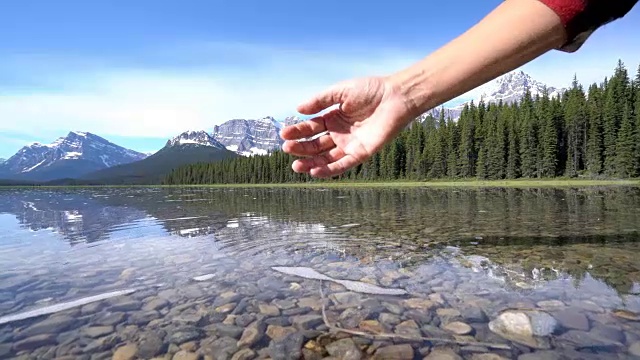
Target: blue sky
[{"x": 138, "y": 72}]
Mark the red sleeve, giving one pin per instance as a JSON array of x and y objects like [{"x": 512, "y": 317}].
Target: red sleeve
[{"x": 582, "y": 17}]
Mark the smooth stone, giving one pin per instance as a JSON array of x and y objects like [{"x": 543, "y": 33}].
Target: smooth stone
[
  {"x": 419, "y": 303},
  {"x": 190, "y": 346},
  {"x": 296, "y": 311},
  {"x": 155, "y": 304},
  {"x": 627, "y": 315},
  {"x": 550, "y": 304},
  {"x": 276, "y": 332},
  {"x": 608, "y": 332},
  {"x": 150, "y": 345},
  {"x": 244, "y": 354},
  {"x": 34, "y": 342},
  {"x": 634, "y": 349},
  {"x": 393, "y": 308},
  {"x": 408, "y": 328},
  {"x": 181, "y": 336},
  {"x": 371, "y": 326},
  {"x": 231, "y": 331},
  {"x": 252, "y": 334},
  {"x": 442, "y": 354},
  {"x": 542, "y": 323},
  {"x": 517, "y": 326},
  {"x": 226, "y": 298},
  {"x": 5, "y": 350},
  {"x": 288, "y": 347},
  {"x": 351, "y": 317},
  {"x": 185, "y": 355},
  {"x": 394, "y": 352},
  {"x": 422, "y": 317},
  {"x": 458, "y": 328},
  {"x": 205, "y": 277},
  {"x": 98, "y": 331},
  {"x": 448, "y": 313},
  {"x": 314, "y": 303},
  {"x": 110, "y": 318},
  {"x": 572, "y": 319},
  {"x": 244, "y": 320},
  {"x": 473, "y": 314},
  {"x": 52, "y": 325},
  {"x": 226, "y": 308},
  {"x": 389, "y": 319},
  {"x": 269, "y": 310},
  {"x": 487, "y": 357},
  {"x": 143, "y": 317},
  {"x": 126, "y": 305},
  {"x": 344, "y": 349},
  {"x": 285, "y": 304},
  {"x": 346, "y": 298},
  {"x": 541, "y": 355},
  {"x": 305, "y": 322},
  {"x": 222, "y": 348},
  {"x": 126, "y": 352},
  {"x": 586, "y": 340},
  {"x": 279, "y": 321}
]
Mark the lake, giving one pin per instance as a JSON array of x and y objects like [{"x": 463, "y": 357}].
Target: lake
[{"x": 335, "y": 273}]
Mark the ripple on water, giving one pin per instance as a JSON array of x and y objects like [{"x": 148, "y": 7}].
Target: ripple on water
[{"x": 560, "y": 263}]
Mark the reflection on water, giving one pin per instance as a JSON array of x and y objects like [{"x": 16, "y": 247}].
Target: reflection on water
[{"x": 464, "y": 256}]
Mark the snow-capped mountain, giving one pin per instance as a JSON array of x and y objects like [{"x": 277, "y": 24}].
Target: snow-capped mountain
[
  {"x": 249, "y": 137},
  {"x": 2, "y": 161},
  {"x": 197, "y": 138},
  {"x": 509, "y": 88},
  {"x": 68, "y": 156},
  {"x": 291, "y": 120}
]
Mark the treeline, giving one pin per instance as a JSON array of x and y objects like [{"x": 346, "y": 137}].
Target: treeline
[{"x": 593, "y": 132}]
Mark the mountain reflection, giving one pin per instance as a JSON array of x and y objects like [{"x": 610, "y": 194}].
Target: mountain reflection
[{"x": 538, "y": 234}]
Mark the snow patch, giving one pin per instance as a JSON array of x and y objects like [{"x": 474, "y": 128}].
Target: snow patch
[
  {"x": 34, "y": 166},
  {"x": 72, "y": 155}
]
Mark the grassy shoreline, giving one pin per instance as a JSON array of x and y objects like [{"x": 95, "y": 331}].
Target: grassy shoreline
[{"x": 525, "y": 183}]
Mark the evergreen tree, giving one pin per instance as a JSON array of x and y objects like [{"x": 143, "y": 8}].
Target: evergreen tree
[
  {"x": 595, "y": 145},
  {"x": 528, "y": 138},
  {"x": 626, "y": 157},
  {"x": 549, "y": 138}
]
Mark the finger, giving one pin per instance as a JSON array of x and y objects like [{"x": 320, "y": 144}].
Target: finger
[
  {"x": 335, "y": 168},
  {"x": 304, "y": 129},
  {"x": 331, "y": 96},
  {"x": 306, "y": 164},
  {"x": 309, "y": 148}
]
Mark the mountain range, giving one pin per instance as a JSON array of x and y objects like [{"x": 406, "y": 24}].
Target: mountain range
[
  {"x": 508, "y": 88},
  {"x": 89, "y": 158}
]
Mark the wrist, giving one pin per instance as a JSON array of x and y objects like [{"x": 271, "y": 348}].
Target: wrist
[{"x": 413, "y": 86}]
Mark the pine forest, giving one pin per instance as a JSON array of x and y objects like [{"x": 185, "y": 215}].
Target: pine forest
[{"x": 591, "y": 132}]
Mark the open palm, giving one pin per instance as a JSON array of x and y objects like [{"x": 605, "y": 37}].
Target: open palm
[{"x": 371, "y": 113}]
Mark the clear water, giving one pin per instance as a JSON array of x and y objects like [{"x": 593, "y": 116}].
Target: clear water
[{"x": 462, "y": 255}]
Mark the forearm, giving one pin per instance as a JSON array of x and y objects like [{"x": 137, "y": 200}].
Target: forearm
[{"x": 516, "y": 32}]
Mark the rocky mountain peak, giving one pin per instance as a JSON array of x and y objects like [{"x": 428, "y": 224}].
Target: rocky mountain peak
[
  {"x": 195, "y": 137},
  {"x": 249, "y": 136},
  {"x": 507, "y": 88},
  {"x": 76, "y": 145}
]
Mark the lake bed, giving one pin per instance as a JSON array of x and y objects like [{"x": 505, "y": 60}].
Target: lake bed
[{"x": 537, "y": 273}]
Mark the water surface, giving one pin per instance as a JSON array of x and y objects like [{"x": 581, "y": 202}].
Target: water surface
[{"x": 200, "y": 262}]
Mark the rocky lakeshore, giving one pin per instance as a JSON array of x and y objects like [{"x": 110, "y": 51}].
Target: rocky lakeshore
[
  {"x": 257, "y": 313},
  {"x": 203, "y": 277}
]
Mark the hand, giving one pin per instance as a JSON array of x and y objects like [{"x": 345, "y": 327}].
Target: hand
[{"x": 372, "y": 112}]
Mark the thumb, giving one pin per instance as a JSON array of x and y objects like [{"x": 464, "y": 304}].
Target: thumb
[{"x": 336, "y": 94}]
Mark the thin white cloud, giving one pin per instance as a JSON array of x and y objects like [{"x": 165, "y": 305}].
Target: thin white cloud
[
  {"x": 161, "y": 102},
  {"x": 201, "y": 85}
]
